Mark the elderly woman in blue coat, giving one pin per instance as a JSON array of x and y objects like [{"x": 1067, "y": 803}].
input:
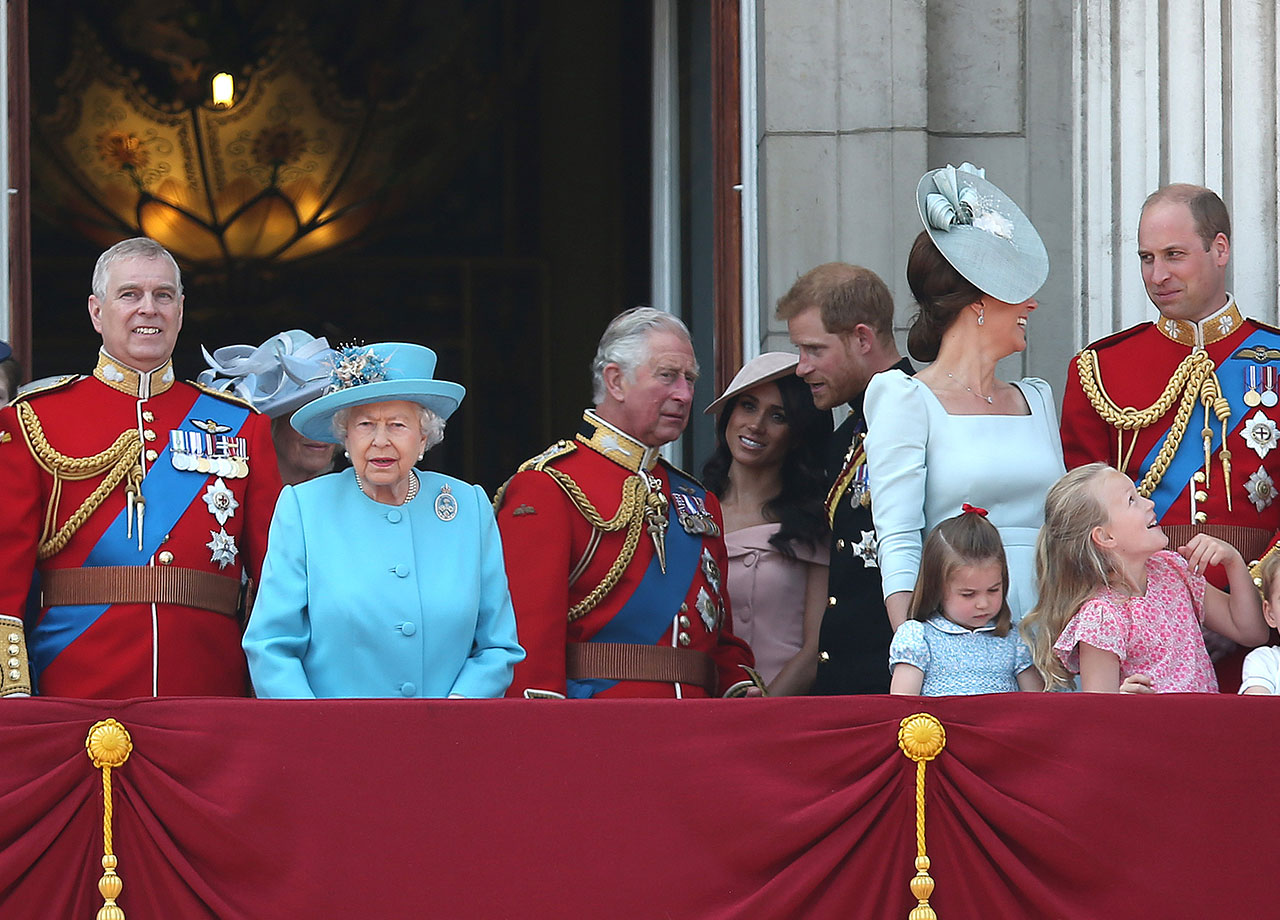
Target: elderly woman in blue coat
[{"x": 382, "y": 580}]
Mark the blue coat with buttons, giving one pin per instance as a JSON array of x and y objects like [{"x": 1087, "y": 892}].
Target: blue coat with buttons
[{"x": 362, "y": 599}]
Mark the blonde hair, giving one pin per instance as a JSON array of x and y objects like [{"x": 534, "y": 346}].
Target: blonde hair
[
  {"x": 966, "y": 539},
  {"x": 1267, "y": 574},
  {"x": 1070, "y": 567}
]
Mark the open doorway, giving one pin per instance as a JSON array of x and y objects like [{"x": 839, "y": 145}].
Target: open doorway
[{"x": 514, "y": 222}]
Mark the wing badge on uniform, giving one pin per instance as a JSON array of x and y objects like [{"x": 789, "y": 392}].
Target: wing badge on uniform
[{"x": 209, "y": 426}]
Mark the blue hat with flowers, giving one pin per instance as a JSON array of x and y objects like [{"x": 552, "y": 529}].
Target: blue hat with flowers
[
  {"x": 982, "y": 233},
  {"x": 382, "y": 372},
  {"x": 286, "y": 371}
]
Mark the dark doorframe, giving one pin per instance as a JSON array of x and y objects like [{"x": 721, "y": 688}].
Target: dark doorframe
[
  {"x": 19, "y": 184},
  {"x": 726, "y": 146}
]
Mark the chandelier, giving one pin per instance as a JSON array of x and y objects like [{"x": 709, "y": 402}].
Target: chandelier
[{"x": 288, "y": 168}]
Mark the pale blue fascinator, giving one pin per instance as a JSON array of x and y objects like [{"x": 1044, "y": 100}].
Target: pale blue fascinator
[
  {"x": 286, "y": 371},
  {"x": 982, "y": 233}
]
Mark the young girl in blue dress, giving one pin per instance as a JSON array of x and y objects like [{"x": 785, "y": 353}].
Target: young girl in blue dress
[{"x": 959, "y": 638}]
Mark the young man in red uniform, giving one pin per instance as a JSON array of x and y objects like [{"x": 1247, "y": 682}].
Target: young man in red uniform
[
  {"x": 616, "y": 559},
  {"x": 1187, "y": 405},
  {"x": 137, "y": 501}
]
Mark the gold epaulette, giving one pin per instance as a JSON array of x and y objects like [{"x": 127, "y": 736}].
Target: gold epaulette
[
  {"x": 56, "y": 383},
  {"x": 224, "y": 396},
  {"x": 552, "y": 453}
]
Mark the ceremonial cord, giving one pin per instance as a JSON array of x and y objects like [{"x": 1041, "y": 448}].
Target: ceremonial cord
[
  {"x": 630, "y": 515},
  {"x": 1187, "y": 384},
  {"x": 117, "y": 461}
]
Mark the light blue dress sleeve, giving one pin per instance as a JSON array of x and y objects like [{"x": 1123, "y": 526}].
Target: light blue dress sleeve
[
  {"x": 909, "y": 646},
  {"x": 1022, "y": 654},
  {"x": 896, "y": 445},
  {"x": 279, "y": 630},
  {"x": 495, "y": 649}
]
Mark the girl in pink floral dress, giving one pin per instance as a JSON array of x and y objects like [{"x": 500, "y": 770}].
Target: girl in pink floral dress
[{"x": 1118, "y": 608}]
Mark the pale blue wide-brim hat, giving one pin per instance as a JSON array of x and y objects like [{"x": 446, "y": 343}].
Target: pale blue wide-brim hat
[
  {"x": 285, "y": 372},
  {"x": 382, "y": 372},
  {"x": 982, "y": 233}
]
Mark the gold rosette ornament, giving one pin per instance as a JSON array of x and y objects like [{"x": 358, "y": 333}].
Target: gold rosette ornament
[
  {"x": 108, "y": 746},
  {"x": 922, "y": 738}
]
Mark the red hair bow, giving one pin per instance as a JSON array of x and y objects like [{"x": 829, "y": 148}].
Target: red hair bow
[{"x": 967, "y": 508}]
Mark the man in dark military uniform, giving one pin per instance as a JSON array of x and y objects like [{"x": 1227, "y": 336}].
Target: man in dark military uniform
[
  {"x": 615, "y": 558},
  {"x": 840, "y": 317},
  {"x": 1186, "y": 405},
  {"x": 139, "y": 500}
]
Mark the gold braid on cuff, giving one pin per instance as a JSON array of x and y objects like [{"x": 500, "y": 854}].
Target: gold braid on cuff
[{"x": 16, "y": 677}]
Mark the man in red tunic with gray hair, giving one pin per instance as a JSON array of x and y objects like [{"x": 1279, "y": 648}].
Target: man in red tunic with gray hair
[{"x": 137, "y": 501}]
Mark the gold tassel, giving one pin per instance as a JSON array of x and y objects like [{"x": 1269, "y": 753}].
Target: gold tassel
[
  {"x": 108, "y": 746},
  {"x": 922, "y": 738}
]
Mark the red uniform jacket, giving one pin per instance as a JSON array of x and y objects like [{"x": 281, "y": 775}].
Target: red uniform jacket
[
  {"x": 1134, "y": 366},
  {"x": 133, "y": 649},
  {"x": 556, "y": 558}
]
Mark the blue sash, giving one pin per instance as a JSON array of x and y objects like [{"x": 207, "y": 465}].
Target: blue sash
[
  {"x": 1190, "y": 455},
  {"x": 169, "y": 492},
  {"x": 648, "y": 612}
]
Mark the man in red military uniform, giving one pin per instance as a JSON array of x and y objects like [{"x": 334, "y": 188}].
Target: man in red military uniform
[
  {"x": 1186, "y": 405},
  {"x": 138, "y": 501},
  {"x": 616, "y": 559}
]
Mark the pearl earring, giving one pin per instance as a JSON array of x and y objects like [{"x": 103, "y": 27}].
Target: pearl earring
[
  {"x": 980, "y": 316},
  {"x": 347, "y": 454}
]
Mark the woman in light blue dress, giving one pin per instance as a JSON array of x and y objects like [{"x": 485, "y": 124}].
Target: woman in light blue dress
[
  {"x": 381, "y": 580},
  {"x": 954, "y": 433}
]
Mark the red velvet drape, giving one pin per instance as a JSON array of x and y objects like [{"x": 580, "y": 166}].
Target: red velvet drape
[{"x": 1066, "y": 805}]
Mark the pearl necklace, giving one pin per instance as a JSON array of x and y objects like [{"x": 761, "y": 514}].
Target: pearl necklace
[
  {"x": 413, "y": 487},
  {"x": 990, "y": 399}
]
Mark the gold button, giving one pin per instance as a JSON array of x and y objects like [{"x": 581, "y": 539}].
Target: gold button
[
  {"x": 149, "y": 435},
  {"x": 148, "y": 416},
  {"x": 684, "y": 622},
  {"x": 840, "y": 544},
  {"x": 683, "y": 638},
  {"x": 684, "y": 608},
  {"x": 151, "y": 455},
  {"x": 166, "y": 558},
  {"x": 831, "y": 602}
]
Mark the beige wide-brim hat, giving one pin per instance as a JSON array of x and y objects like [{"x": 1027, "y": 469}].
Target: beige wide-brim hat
[{"x": 764, "y": 368}]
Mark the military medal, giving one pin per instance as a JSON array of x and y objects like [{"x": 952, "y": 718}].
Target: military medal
[
  {"x": 446, "y": 504},
  {"x": 711, "y": 570},
  {"x": 1260, "y": 433},
  {"x": 222, "y": 547},
  {"x": 210, "y": 453},
  {"x": 709, "y": 610},
  {"x": 860, "y": 488},
  {"x": 1261, "y": 489},
  {"x": 222, "y": 503},
  {"x": 1269, "y": 397},
  {"x": 1252, "y": 398},
  {"x": 865, "y": 549},
  {"x": 694, "y": 517}
]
